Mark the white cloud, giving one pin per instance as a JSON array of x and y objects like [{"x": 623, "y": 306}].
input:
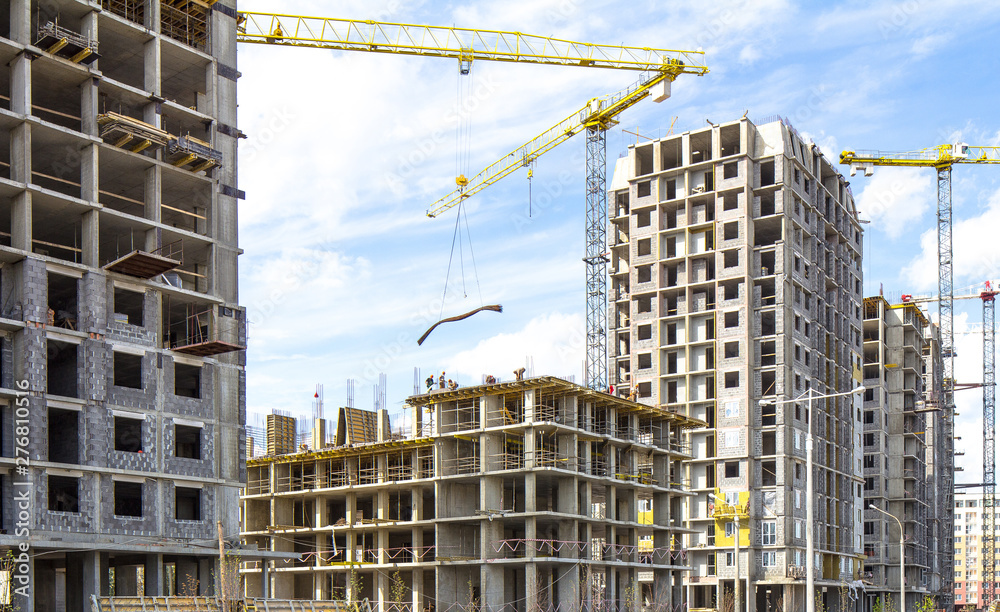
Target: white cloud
[
  {"x": 929, "y": 44},
  {"x": 974, "y": 251},
  {"x": 554, "y": 343},
  {"x": 894, "y": 198}
]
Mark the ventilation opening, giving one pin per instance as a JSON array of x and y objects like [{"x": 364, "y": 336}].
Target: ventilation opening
[
  {"x": 62, "y": 301},
  {"x": 187, "y": 503},
  {"x": 128, "y": 307},
  {"x": 64, "y": 494},
  {"x": 128, "y": 435},
  {"x": 64, "y": 436},
  {"x": 731, "y": 319},
  {"x": 644, "y": 274},
  {"x": 731, "y": 259},
  {"x": 645, "y": 246},
  {"x": 187, "y": 442},
  {"x": 128, "y": 499},
  {"x": 128, "y": 371},
  {"x": 730, "y": 201},
  {"x": 187, "y": 380},
  {"x": 61, "y": 369}
]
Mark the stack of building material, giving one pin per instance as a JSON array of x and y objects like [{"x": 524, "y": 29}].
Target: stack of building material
[
  {"x": 131, "y": 134},
  {"x": 192, "y": 154},
  {"x": 280, "y": 434}
]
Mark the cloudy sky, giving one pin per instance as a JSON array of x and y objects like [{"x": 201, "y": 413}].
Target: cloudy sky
[{"x": 342, "y": 271}]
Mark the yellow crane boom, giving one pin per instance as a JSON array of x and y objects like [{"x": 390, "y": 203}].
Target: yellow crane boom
[
  {"x": 941, "y": 156},
  {"x": 464, "y": 44},
  {"x": 597, "y": 113}
]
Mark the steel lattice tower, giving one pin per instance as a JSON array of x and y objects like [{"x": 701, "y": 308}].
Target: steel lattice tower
[
  {"x": 946, "y": 322},
  {"x": 988, "y": 591},
  {"x": 597, "y": 260}
]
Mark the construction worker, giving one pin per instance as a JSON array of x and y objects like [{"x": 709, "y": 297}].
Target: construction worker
[
  {"x": 429, "y": 382},
  {"x": 491, "y": 379},
  {"x": 519, "y": 374},
  {"x": 441, "y": 381},
  {"x": 452, "y": 385}
]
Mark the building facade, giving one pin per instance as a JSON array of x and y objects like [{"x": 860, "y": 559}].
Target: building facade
[
  {"x": 524, "y": 495},
  {"x": 968, "y": 547},
  {"x": 736, "y": 277},
  {"x": 122, "y": 364},
  {"x": 896, "y": 444}
]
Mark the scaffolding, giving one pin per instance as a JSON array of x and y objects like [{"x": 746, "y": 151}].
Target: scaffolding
[
  {"x": 186, "y": 21},
  {"x": 131, "y": 10},
  {"x": 133, "y": 135},
  {"x": 67, "y": 44}
]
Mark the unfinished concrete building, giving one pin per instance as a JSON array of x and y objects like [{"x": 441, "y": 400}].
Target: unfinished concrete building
[
  {"x": 940, "y": 461},
  {"x": 119, "y": 309},
  {"x": 736, "y": 276},
  {"x": 895, "y": 441},
  {"x": 522, "y": 495}
]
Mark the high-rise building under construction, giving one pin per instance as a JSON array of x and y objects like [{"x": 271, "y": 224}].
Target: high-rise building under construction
[
  {"x": 119, "y": 310},
  {"x": 735, "y": 262}
]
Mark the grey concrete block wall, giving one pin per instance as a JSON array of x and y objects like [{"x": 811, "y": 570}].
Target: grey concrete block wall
[
  {"x": 73, "y": 522},
  {"x": 93, "y": 303},
  {"x": 130, "y": 525},
  {"x": 203, "y": 529},
  {"x": 144, "y": 399}
]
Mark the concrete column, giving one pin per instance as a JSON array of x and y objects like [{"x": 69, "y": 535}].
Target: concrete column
[
  {"x": 531, "y": 587},
  {"x": 417, "y": 588},
  {"x": 126, "y": 581},
  {"x": 20, "y": 21},
  {"x": 20, "y": 221},
  {"x": 90, "y": 234},
  {"x": 186, "y": 575},
  {"x": 207, "y": 567},
  {"x": 43, "y": 586},
  {"x": 381, "y": 587},
  {"x": 151, "y": 74},
  {"x": 153, "y": 576}
]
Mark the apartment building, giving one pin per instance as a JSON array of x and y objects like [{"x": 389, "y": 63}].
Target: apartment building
[
  {"x": 736, "y": 277},
  {"x": 968, "y": 548},
  {"x": 119, "y": 314},
  {"x": 896, "y": 443},
  {"x": 536, "y": 494}
]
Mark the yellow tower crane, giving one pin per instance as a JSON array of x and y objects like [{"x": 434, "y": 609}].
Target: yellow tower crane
[
  {"x": 466, "y": 45},
  {"x": 596, "y": 117},
  {"x": 942, "y": 158}
]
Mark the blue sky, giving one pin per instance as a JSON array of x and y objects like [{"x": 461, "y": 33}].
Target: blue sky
[{"x": 342, "y": 271}]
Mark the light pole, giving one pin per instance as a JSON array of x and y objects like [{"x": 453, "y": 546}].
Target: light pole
[
  {"x": 902, "y": 575},
  {"x": 810, "y": 564}
]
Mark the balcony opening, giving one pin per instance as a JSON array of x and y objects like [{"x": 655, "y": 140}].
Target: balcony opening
[
  {"x": 672, "y": 362},
  {"x": 62, "y": 296},
  {"x": 64, "y": 494},
  {"x": 187, "y": 504},
  {"x": 767, "y": 382},
  {"x": 769, "y": 473},
  {"x": 671, "y": 189},
  {"x": 187, "y": 380},
  {"x": 128, "y": 498},
  {"x": 64, "y": 436},
  {"x": 767, "y": 325},
  {"x": 187, "y": 442},
  {"x": 128, "y": 434},
  {"x": 768, "y": 415},
  {"x": 62, "y": 365},
  {"x": 128, "y": 370}
]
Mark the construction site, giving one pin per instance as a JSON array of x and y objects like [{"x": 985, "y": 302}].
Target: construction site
[{"x": 751, "y": 432}]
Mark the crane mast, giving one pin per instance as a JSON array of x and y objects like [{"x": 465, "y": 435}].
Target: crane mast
[
  {"x": 468, "y": 45},
  {"x": 942, "y": 158}
]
